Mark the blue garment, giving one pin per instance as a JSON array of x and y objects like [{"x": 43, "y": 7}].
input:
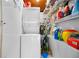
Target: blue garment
[{"x": 76, "y": 7}]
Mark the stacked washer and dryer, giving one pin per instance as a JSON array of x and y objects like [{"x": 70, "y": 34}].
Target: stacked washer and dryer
[
  {"x": 19, "y": 30},
  {"x": 30, "y": 38}
]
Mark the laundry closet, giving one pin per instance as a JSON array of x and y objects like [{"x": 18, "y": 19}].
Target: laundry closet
[
  {"x": 39, "y": 29},
  {"x": 19, "y": 30}
]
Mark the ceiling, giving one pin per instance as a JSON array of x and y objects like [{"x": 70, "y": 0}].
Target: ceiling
[
  {"x": 13, "y": 3},
  {"x": 38, "y": 3}
]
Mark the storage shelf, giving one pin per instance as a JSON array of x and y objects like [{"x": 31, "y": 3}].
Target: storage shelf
[
  {"x": 68, "y": 18},
  {"x": 31, "y": 8},
  {"x": 68, "y": 46},
  {"x": 63, "y": 50}
]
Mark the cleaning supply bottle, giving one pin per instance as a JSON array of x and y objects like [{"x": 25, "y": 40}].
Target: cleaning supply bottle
[
  {"x": 67, "y": 10},
  {"x": 56, "y": 30},
  {"x": 60, "y": 13},
  {"x": 60, "y": 35}
]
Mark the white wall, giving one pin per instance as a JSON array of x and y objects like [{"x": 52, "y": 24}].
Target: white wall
[
  {"x": 0, "y": 28},
  {"x": 0, "y": 8}
]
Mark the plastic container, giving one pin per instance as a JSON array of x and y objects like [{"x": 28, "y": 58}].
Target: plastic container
[
  {"x": 73, "y": 42},
  {"x": 60, "y": 13},
  {"x": 67, "y": 33},
  {"x": 44, "y": 55},
  {"x": 56, "y": 34}
]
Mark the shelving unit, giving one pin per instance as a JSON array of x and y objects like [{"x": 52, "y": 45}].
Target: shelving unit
[
  {"x": 69, "y": 22},
  {"x": 60, "y": 48},
  {"x": 68, "y": 18},
  {"x": 30, "y": 37}
]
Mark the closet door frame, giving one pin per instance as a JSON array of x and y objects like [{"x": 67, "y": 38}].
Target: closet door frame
[{"x": 1, "y": 24}]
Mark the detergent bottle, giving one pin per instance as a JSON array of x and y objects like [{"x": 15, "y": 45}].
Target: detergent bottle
[
  {"x": 60, "y": 13},
  {"x": 56, "y": 30},
  {"x": 76, "y": 7},
  {"x": 67, "y": 10}
]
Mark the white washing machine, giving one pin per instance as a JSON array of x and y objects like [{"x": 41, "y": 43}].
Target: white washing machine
[{"x": 30, "y": 46}]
